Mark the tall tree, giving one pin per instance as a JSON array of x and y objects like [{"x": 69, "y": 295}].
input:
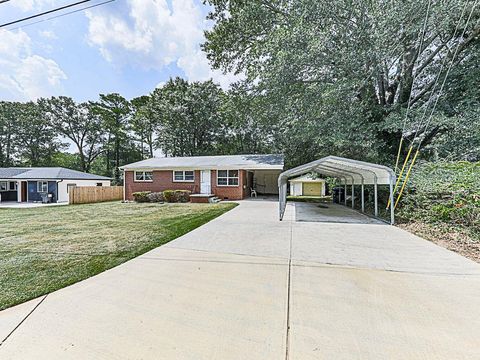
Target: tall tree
[
  {"x": 144, "y": 123},
  {"x": 189, "y": 117},
  {"x": 77, "y": 122},
  {"x": 37, "y": 139},
  {"x": 337, "y": 72},
  {"x": 8, "y": 131},
  {"x": 115, "y": 112}
]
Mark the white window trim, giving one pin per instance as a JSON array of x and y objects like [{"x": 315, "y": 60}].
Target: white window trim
[
  {"x": 229, "y": 177},
  {"x": 143, "y": 171},
  {"x": 6, "y": 186},
  {"x": 183, "y": 171},
  {"x": 42, "y": 182}
]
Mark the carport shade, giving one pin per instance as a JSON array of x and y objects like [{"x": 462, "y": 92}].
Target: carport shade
[{"x": 349, "y": 172}]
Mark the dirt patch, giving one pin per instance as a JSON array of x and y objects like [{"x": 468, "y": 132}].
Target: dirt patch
[{"x": 458, "y": 240}]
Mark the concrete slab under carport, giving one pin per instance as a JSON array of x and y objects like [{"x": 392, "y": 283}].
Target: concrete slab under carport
[{"x": 330, "y": 212}]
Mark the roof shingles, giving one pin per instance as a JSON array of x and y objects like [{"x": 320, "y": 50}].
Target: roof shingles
[{"x": 36, "y": 173}]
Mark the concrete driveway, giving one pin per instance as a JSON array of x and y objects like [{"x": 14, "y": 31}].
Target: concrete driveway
[{"x": 246, "y": 286}]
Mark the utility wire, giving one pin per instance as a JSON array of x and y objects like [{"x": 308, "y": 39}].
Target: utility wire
[
  {"x": 435, "y": 104},
  {"x": 422, "y": 39},
  {"x": 45, "y": 13},
  {"x": 61, "y": 15},
  {"x": 448, "y": 72},
  {"x": 444, "y": 61}
]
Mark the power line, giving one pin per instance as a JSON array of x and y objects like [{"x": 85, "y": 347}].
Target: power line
[
  {"x": 61, "y": 15},
  {"x": 44, "y": 13}
]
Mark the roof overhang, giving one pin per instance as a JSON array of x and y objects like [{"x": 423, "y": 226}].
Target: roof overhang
[{"x": 203, "y": 167}]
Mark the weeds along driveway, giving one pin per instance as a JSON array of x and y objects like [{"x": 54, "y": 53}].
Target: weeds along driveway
[
  {"x": 44, "y": 249},
  {"x": 246, "y": 286}
]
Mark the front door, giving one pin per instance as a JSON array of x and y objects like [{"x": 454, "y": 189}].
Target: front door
[
  {"x": 205, "y": 182},
  {"x": 24, "y": 191}
]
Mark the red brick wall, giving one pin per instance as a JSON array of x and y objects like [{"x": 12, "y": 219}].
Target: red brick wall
[
  {"x": 230, "y": 192},
  {"x": 162, "y": 180}
]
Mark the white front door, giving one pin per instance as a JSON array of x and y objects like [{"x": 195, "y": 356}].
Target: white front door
[{"x": 205, "y": 182}]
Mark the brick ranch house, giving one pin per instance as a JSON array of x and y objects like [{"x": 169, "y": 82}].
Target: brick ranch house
[{"x": 229, "y": 177}]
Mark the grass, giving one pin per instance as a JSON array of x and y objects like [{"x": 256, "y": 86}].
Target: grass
[
  {"x": 45, "y": 249},
  {"x": 313, "y": 199}
]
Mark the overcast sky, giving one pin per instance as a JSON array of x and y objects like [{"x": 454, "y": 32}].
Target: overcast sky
[{"x": 128, "y": 46}]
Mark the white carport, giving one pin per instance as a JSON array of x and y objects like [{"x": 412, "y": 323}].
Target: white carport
[{"x": 348, "y": 172}]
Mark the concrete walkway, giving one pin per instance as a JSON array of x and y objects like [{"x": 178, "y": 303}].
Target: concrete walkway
[{"x": 246, "y": 286}]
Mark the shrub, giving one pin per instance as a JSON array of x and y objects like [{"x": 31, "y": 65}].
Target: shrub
[
  {"x": 169, "y": 196},
  {"x": 445, "y": 192},
  {"x": 141, "y": 196},
  {"x": 182, "y": 196},
  {"x": 156, "y": 197}
]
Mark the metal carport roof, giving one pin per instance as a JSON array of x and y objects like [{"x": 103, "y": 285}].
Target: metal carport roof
[{"x": 349, "y": 171}]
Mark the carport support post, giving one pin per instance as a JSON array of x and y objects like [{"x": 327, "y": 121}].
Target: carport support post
[
  {"x": 345, "y": 193},
  {"x": 392, "y": 207},
  {"x": 363, "y": 196},
  {"x": 353, "y": 193},
  {"x": 375, "y": 195}
]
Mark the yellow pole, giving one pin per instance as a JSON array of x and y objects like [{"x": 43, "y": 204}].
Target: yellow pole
[
  {"x": 401, "y": 173},
  {"x": 399, "y": 151},
  {"x": 406, "y": 178}
]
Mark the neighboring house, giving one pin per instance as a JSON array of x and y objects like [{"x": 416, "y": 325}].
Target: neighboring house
[
  {"x": 30, "y": 184},
  {"x": 307, "y": 185},
  {"x": 227, "y": 177}
]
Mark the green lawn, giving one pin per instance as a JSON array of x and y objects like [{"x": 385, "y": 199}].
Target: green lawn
[{"x": 45, "y": 249}]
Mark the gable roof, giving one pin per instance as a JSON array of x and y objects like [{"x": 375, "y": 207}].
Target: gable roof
[
  {"x": 264, "y": 162},
  {"x": 45, "y": 173}
]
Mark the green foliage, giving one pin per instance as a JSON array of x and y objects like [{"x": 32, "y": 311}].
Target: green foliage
[
  {"x": 141, "y": 196},
  {"x": 447, "y": 192},
  {"x": 182, "y": 196},
  {"x": 337, "y": 76},
  {"x": 170, "y": 196},
  {"x": 156, "y": 197}
]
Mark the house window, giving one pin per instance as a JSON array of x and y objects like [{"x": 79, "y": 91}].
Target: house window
[
  {"x": 12, "y": 186},
  {"x": 184, "y": 176},
  {"x": 42, "y": 186},
  {"x": 143, "y": 176},
  {"x": 3, "y": 186},
  {"x": 227, "y": 177},
  {"x": 99, "y": 184}
]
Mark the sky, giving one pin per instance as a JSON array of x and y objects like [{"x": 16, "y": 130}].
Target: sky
[{"x": 126, "y": 46}]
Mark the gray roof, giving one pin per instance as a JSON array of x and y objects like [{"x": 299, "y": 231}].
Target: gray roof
[
  {"x": 45, "y": 173},
  {"x": 264, "y": 162}
]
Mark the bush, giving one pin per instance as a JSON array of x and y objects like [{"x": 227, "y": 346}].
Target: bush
[
  {"x": 156, "y": 197},
  {"x": 169, "y": 196},
  {"x": 182, "y": 196},
  {"x": 445, "y": 192},
  {"x": 141, "y": 196}
]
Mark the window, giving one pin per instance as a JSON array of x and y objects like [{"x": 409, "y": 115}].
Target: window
[
  {"x": 227, "y": 177},
  {"x": 3, "y": 186},
  {"x": 99, "y": 184},
  {"x": 12, "y": 186},
  {"x": 70, "y": 186},
  {"x": 42, "y": 186},
  {"x": 185, "y": 176},
  {"x": 143, "y": 176}
]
